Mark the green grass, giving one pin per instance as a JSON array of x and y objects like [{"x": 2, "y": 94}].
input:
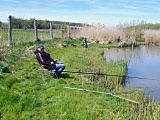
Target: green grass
[{"x": 25, "y": 95}]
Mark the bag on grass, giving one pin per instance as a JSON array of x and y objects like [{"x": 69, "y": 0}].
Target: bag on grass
[{"x": 5, "y": 69}]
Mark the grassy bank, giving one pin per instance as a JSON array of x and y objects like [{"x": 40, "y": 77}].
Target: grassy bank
[{"x": 25, "y": 95}]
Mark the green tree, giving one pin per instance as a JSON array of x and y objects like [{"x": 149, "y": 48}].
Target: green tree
[
  {"x": 0, "y": 24},
  {"x": 64, "y": 28},
  {"x": 45, "y": 24},
  {"x": 31, "y": 23}
]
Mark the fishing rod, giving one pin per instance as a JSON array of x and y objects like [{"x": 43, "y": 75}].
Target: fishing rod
[{"x": 97, "y": 73}]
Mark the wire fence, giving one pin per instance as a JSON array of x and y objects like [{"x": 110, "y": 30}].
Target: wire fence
[{"x": 10, "y": 36}]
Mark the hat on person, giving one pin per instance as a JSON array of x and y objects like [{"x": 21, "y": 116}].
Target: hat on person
[{"x": 41, "y": 47}]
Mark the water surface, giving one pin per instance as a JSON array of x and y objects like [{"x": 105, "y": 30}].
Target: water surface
[{"x": 144, "y": 63}]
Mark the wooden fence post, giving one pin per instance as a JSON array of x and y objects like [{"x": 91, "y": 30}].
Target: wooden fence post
[
  {"x": 68, "y": 30},
  {"x": 51, "y": 30},
  {"x": 10, "y": 31},
  {"x": 61, "y": 30},
  {"x": 35, "y": 29}
]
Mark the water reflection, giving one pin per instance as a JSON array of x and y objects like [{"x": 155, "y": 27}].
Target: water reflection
[{"x": 143, "y": 62}]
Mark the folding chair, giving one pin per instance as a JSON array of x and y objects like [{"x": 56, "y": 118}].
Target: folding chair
[{"x": 45, "y": 69}]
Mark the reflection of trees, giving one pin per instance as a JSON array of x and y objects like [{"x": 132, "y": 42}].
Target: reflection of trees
[
  {"x": 152, "y": 50},
  {"x": 136, "y": 54},
  {"x": 127, "y": 54}
]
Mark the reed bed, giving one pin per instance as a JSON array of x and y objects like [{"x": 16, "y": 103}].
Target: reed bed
[
  {"x": 152, "y": 37},
  {"x": 107, "y": 34},
  {"x": 101, "y": 34}
]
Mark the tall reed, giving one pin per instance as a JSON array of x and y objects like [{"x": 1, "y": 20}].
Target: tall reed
[
  {"x": 100, "y": 33},
  {"x": 106, "y": 34},
  {"x": 152, "y": 37}
]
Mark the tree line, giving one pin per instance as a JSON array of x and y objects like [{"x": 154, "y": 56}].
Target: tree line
[{"x": 19, "y": 23}]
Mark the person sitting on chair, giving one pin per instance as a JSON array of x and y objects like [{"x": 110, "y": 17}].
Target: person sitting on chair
[{"x": 48, "y": 63}]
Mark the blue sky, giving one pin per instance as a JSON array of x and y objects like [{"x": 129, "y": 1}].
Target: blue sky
[{"x": 109, "y": 12}]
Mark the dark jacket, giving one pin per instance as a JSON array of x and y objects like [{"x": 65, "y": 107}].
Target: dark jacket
[{"x": 43, "y": 58}]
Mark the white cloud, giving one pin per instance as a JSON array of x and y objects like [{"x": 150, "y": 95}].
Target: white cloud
[{"x": 89, "y": 11}]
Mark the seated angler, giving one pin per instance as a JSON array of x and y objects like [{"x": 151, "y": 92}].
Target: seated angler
[
  {"x": 84, "y": 43},
  {"x": 119, "y": 39},
  {"x": 47, "y": 62}
]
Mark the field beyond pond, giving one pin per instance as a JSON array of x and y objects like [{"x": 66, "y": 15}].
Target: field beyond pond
[{"x": 24, "y": 94}]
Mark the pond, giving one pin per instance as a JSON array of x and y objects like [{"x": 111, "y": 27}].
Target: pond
[{"x": 143, "y": 65}]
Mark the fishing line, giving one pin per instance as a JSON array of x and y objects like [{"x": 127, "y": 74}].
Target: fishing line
[
  {"x": 154, "y": 90},
  {"x": 147, "y": 90},
  {"x": 128, "y": 62},
  {"x": 138, "y": 87}
]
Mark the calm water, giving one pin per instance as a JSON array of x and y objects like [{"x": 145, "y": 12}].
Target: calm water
[{"x": 143, "y": 62}]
